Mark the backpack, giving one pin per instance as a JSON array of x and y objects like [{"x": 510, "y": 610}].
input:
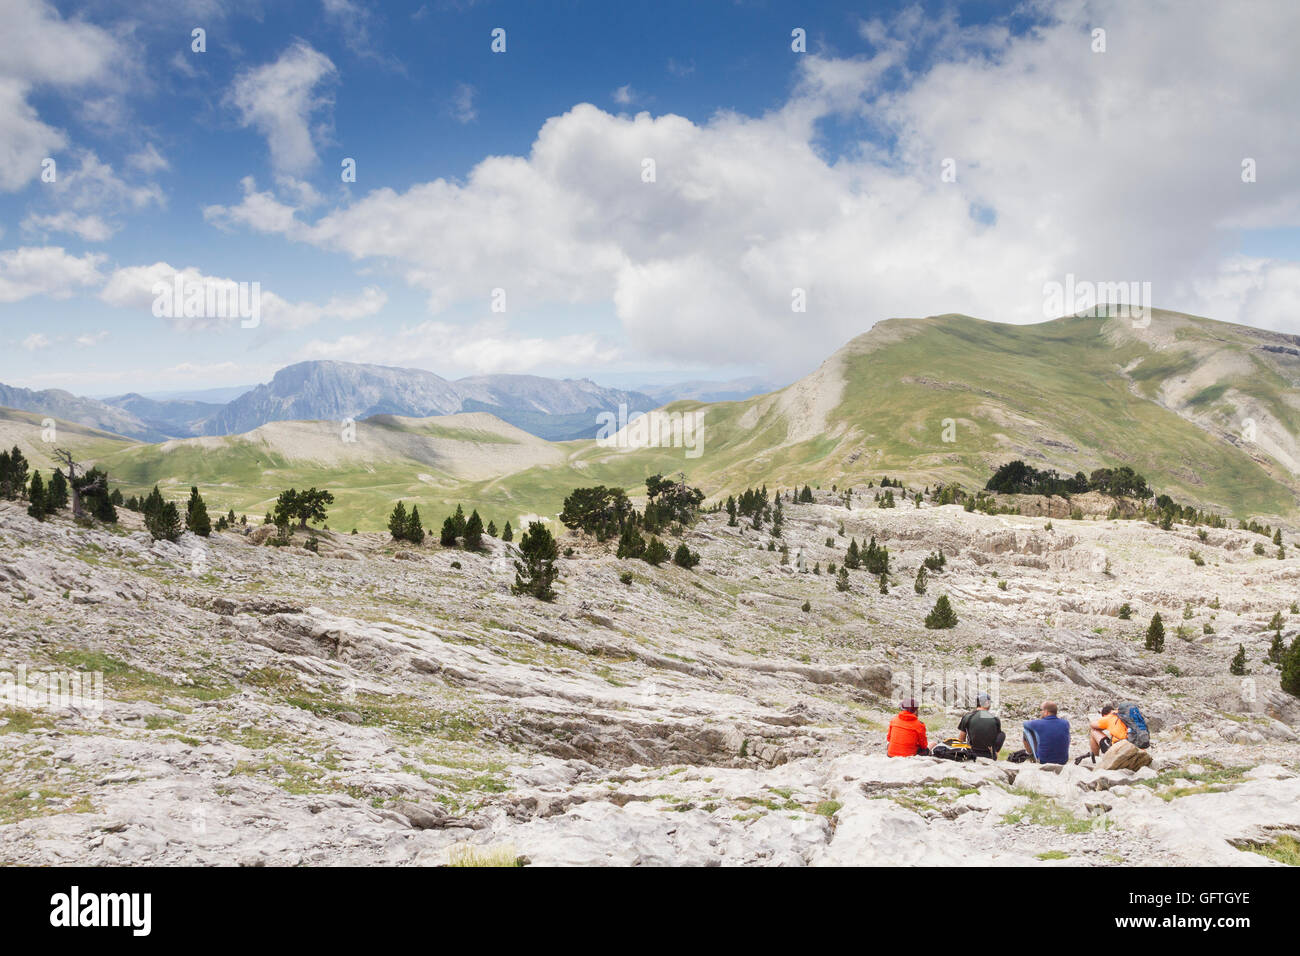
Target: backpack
[
  {"x": 1138, "y": 734},
  {"x": 952, "y": 749}
]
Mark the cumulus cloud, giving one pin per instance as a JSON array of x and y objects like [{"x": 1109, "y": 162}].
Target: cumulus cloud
[
  {"x": 1115, "y": 166},
  {"x": 137, "y": 287},
  {"x": 45, "y": 270},
  {"x": 39, "y": 49},
  {"x": 280, "y": 99},
  {"x": 90, "y": 196}
]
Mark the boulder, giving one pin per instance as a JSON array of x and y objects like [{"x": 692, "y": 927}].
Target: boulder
[{"x": 1124, "y": 756}]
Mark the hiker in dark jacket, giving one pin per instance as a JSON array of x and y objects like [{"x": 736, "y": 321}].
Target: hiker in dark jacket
[{"x": 981, "y": 729}]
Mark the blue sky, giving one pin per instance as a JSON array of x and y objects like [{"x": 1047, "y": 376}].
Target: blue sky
[{"x": 776, "y": 170}]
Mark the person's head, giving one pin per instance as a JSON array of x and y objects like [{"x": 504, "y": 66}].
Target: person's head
[
  {"x": 1049, "y": 708},
  {"x": 1107, "y": 709},
  {"x": 908, "y": 704},
  {"x": 983, "y": 701}
]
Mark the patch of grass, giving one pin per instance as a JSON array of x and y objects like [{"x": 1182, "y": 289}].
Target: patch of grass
[
  {"x": 1053, "y": 855},
  {"x": 1284, "y": 848},
  {"x": 827, "y": 808},
  {"x": 1045, "y": 812},
  {"x": 19, "y": 721},
  {"x": 462, "y": 854}
]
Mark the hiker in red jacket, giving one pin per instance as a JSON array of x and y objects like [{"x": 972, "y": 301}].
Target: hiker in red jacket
[{"x": 906, "y": 736}]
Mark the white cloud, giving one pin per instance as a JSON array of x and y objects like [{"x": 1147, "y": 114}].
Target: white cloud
[
  {"x": 35, "y": 341},
  {"x": 279, "y": 99},
  {"x": 483, "y": 349},
  {"x": 86, "y": 194},
  {"x": 625, "y": 95},
  {"x": 133, "y": 287},
  {"x": 90, "y": 228},
  {"x": 148, "y": 160},
  {"x": 462, "y": 104},
  {"x": 45, "y": 270},
  {"x": 1120, "y": 166},
  {"x": 39, "y": 49},
  {"x": 89, "y": 339}
]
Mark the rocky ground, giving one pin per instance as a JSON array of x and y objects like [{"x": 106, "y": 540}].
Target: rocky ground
[{"x": 384, "y": 704}]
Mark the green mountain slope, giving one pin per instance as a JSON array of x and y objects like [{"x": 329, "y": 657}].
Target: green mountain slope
[{"x": 1209, "y": 412}]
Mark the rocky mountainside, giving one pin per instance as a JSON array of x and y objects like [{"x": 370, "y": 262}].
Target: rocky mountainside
[
  {"x": 381, "y": 703},
  {"x": 89, "y": 412}
]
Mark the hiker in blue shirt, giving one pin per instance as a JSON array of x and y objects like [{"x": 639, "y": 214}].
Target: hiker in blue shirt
[{"x": 1047, "y": 739}]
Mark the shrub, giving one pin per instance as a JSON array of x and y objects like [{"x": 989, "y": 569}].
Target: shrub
[
  {"x": 842, "y": 580},
  {"x": 684, "y": 557},
  {"x": 1238, "y": 665},
  {"x": 987, "y": 662},
  {"x": 807, "y": 606},
  {"x": 625, "y": 577},
  {"x": 1037, "y": 666}
]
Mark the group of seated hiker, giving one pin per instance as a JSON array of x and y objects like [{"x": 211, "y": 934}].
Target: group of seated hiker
[{"x": 1044, "y": 740}]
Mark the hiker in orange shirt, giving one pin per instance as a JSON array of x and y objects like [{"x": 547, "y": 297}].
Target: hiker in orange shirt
[
  {"x": 906, "y": 735},
  {"x": 1105, "y": 731}
]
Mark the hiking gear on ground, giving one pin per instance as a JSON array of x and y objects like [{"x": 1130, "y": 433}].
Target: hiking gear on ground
[
  {"x": 1138, "y": 734},
  {"x": 1020, "y": 756}
]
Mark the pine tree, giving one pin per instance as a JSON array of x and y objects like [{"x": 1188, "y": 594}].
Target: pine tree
[
  {"x": 414, "y": 529},
  {"x": 508, "y": 534},
  {"x": 942, "y": 615},
  {"x": 458, "y": 521},
  {"x": 842, "y": 580},
  {"x": 884, "y": 584},
  {"x": 1291, "y": 669},
  {"x": 731, "y": 511},
  {"x": 656, "y": 552},
  {"x": 1277, "y": 650},
  {"x": 448, "y": 537},
  {"x": 1238, "y": 665},
  {"x": 154, "y": 503},
  {"x": 630, "y": 543},
  {"x": 922, "y": 580},
  {"x": 397, "y": 522},
  {"x": 165, "y": 522},
  {"x": 56, "y": 494},
  {"x": 474, "y": 532},
  {"x": 230, "y": 517},
  {"x": 492, "y": 529},
  {"x": 1156, "y": 634},
  {"x": 36, "y": 496},
  {"x": 536, "y": 572},
  {"x": 852, "y": 559},
  {"x": 196, "y": 515}
]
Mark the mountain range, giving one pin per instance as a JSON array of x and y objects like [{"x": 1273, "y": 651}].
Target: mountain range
[
  {"x": 554, "y": 409},
  {"x": 1207, "y": 411}
]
